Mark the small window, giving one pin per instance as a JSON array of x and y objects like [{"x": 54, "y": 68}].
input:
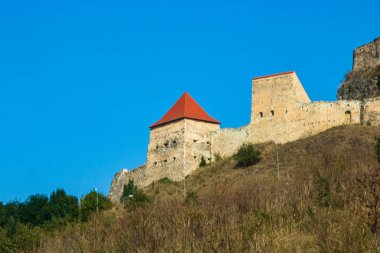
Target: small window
[
  {"x": 209, "y": 159},
  {"x": 165, "y": 161},
  {"x": 286, "y": 111},
  {"x": 166, "y": 144},
  {"x": 156, "y": 146},
  {"x": 195, "y": 140},
  {"x": 272, "y": 112},
  {"x": 261, "y": 114},
  {"x": 195, "y": 157},
  {"x": 208, "y": 143},
  {"x": 174, "y": 158},
  {"x": 155, "y": 163}
]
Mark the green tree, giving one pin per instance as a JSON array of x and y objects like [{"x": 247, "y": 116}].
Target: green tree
[
  {"x": 133, "y": 196},
  {"x": 91, "y": 202},
  {"x": 35, "y": 210},
  {"x": 247, "y": 155},
  {"x": 63, "y": 206}
]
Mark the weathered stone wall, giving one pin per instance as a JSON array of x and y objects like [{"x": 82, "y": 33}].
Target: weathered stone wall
[
  {"x": 367, "y": 56},
  {"x": 226, "y": 141},
  {"x": 371, "y": 111},
  {"x": 122, "y": 177},
  {"x": 197, "y": 143},
  {"x": 282, "y": 111}
]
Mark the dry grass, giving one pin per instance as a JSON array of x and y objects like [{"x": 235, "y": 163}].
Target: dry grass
[{"x": 316, "y": 205}]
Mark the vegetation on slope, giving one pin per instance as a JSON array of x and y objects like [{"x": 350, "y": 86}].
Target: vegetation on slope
[
  {"x": 325, "y": 200},
  {"x": 360, "y": 84},
  {"x": 23, "y": 224}
]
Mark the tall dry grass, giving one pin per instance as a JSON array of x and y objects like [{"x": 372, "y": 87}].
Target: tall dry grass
[{"x": 317, "y": 205}]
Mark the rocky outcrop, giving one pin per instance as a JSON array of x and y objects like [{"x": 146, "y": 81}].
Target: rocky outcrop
[
  {"x": 364, "y": 79},
  {"x": 361, "y": 84}
]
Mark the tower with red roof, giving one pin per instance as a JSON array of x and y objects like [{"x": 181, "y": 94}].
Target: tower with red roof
[{"x": 179, "y": 140}]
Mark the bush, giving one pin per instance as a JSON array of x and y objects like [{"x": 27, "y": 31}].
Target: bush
[
  {"x": 203, "y": 162},
  {"x": 378, "y": 149},
  {"x": 132, "y": 196},
  {"x": 247, "y": 155},
  {"x": 92, "y": 202}
]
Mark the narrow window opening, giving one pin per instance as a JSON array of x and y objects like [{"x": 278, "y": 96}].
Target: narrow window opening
[
  {"x": 195, "y": 157},
  {"x": 174, "y": 158},
  {"x": 347, "y": 115},
  {"x": 155, "y": 163},
  {"x": 272, "y": 112},
  {"x": 156, "y": 146},
  {"x": 208, "y": 143},
  {"x": 195, "y": 140},
  {"x": 165, "y": 161},
  {"x": 261, "y": 114},
  {"x": 166, "y": 144}
]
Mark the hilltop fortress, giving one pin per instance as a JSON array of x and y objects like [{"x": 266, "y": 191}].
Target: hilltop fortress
[{"x": 281, "y": 111}]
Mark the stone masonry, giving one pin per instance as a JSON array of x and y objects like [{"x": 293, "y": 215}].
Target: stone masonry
[{"x": 281, "y": 111}]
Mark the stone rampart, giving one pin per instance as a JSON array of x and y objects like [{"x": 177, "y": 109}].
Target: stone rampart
[
  {"x": 226, "y": 141},
  {"x": 371, "y": 111},
  {"x": 367, "y": 56}
]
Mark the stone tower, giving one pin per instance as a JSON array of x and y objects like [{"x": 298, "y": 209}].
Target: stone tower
[{"x": 179, "y": 140}]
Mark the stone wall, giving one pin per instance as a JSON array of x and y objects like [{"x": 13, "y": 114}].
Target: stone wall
[
  {"x": 371, "y": 111},
  {"x": 226, "y": 141},
  {"x": 367, "y": 56},
  {"x": 282, "y": 111},
  {"x": 122, "y": 177}
]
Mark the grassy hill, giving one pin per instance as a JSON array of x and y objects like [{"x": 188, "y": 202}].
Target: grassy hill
[{"x": 323, "y": 201}]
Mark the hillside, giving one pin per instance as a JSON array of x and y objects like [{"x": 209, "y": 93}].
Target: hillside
[{"x": 322, "y": 202}]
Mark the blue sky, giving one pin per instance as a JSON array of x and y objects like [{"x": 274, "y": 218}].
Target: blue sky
[{"x": 81, "y": 81}]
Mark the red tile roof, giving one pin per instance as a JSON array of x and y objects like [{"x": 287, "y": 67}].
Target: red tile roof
[
  {"x": 185, "y": 107},
  {"x": 273, "y": 75}
]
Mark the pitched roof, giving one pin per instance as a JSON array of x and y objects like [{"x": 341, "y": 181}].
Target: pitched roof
[
  {"x": 273, "y": 75},
  {"x": 185, "y": 107}
]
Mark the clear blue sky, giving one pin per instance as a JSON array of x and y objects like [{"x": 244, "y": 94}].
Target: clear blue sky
[{"x": 80, "y": 81}]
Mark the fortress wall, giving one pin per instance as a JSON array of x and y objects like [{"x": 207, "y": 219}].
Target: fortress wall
[
  {"x": 226, "y": 141},
  {"x": 371, "y": 112},
  {"x": 197, "y": 143},
  {"x": 282, "y": 111},
  {"x": 122, "y": 177},
  {"x": 166, "y": 151},
  {"x": 367, "y": 56}
]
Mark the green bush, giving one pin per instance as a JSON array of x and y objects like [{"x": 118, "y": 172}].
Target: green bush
[
  {"x": 378, "y": 149},
  {"x": 92, "y": 202},
  {"x": 247, "y": 155},
  {"x": 133, "y": 197},
  {"x": 203, "y": 162}
]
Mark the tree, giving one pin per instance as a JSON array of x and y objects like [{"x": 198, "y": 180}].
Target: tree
[
  {"x": 247, "y": 155},
  {"x": 91, "y": 202},
  {"x": 132, "y": 196},
  {"x": 63, "y": 206},
  {"x": 35, "y": 210}
]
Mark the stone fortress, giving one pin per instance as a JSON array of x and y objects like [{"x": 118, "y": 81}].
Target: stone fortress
[{"x": 281, "y": 111}]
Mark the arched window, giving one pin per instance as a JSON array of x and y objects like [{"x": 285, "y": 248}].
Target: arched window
[{"x": 347, "y": 115}]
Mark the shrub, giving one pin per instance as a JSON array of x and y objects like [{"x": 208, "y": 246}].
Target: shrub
[
  {"x": 165, "y": 180},
  {"x": 63, "y": 206},
  {"x": 91, "y": 202},
  {"x": 133, "y": 197},
  {"x": 203, "y": 162},
  {"x": 378, "y": 149},
  {"x": 247, "y": 155},
  {"x": 217, "y": 157}
]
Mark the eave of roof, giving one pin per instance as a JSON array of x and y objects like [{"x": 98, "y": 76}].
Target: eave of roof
[
  {"x": 273, "y": 75},
  {"x": 185, "y": 108}
]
